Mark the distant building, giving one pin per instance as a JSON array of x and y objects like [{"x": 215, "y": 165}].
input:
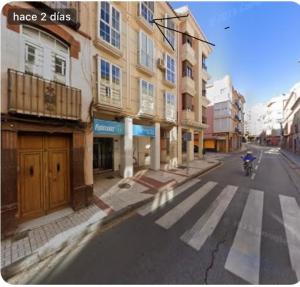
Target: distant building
[
  {"x": 273, "y": 120},
  {"x": 291, "y": 120},
  {"x": 255, "y": 120},
  {"x": 226, "y": 117}
]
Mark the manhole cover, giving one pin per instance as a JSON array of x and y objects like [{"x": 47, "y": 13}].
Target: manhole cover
[
  {"x": 110, "y": 177},
  {"x": 124, "y": 185}
]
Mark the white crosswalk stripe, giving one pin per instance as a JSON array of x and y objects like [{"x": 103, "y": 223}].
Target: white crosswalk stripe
[
  {"x": 291, "y": 218},
  {"x": 175, "y": 214},
  {"x": 205, "y": 226},
  {"x": 162, "y": 198},
  {"x": 244, "y": 256}
]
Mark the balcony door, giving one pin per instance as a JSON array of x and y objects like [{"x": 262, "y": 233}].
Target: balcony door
[
  {"x": 43, "y": 177},
  {"x": 45, "y": 55}
]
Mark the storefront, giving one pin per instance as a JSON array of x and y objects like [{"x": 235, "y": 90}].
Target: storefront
[
  {"x": 123, "y": 146},
  {"x": 106, "y": 145}
]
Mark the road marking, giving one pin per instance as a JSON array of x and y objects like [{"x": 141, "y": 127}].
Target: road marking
[
  {"x": 291, "y": 218},
  {"x": 176, "y": 213},
  {"x": 243, "y": 259},
  {"x": 205, "y": 226},
  {"x": 162, "y": 198},
  {"x": 256, "y": 167},
  {"x": 260, "y": 157},
  {"x": 253, "y": 175}
]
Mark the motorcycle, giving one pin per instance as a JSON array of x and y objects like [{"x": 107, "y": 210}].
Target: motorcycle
[{"x": 248, "y": 167}]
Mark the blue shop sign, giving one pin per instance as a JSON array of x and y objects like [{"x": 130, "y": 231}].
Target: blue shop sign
[
  {"x": 102, "y": 127},
  {"x": 143, "y": 131}
]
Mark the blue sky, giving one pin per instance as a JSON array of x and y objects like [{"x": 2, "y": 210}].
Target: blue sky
[{"x": 260, "y": 50}]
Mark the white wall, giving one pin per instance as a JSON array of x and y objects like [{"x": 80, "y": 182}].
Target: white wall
[
  {"x": 274, "y": 115},
  {"x": 220, "y": 91},
  {"x": 255, "y": 119}
]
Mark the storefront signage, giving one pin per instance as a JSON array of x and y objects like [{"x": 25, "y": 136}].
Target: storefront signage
[
  {"x": 102, "y": 127},
  {"x": 143, "y": 131}
]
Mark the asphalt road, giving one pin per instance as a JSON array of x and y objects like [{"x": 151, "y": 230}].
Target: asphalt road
[{"x": 224, "y": 229}]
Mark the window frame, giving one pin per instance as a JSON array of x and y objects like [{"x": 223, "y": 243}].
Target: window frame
[
  {"x": 148, "y": 40},
  {"x": 168, "y": 104},
  {"x": 110, "y": 24},
  {"x": 148, "y": 84},
  {"x": 48, "y": 53},
  {"x": 169, "y": 70},
  {"x": 170, "y": 32},
  {"x": 148, "y": 10},
  {"x": 110, "y": 72}
]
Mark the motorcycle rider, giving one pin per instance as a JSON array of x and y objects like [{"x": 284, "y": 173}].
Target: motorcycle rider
[
  {"x": 248, "y": 156},
  {"x": 248, "y": 159}
]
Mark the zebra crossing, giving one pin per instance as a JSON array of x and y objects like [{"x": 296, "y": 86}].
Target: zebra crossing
[{"x": 243, "y": 259}]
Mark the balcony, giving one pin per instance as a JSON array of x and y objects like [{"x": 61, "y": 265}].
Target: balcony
[
  {"x": 188, "y": 86},
  {"x": 58, "y": 6},
  {"x": 188, "y": 115},
  {"x": 205, "y": 101},
  {"x": 32, "y": 95},
  {"x": 237, "y": 118},
  {"x": 110, "y": 95},
  {"x": 188, "y": 54},
  {"x": 237, "y": 130},
  {"x": 145, "y": 63}
]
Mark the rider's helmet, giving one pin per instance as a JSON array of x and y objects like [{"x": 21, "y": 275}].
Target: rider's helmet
[{"x": 249, "y": 152}]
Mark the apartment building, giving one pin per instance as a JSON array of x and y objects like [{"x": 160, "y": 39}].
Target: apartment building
[
  {"x": 273, "y": 120},
  {"x": 46, "y": 94},
  {"x": 193, "y": 76},
  {"x": 291, "y": 120},
  {"x": 135, "y": 95},
  {"x": 255, "y": 120},
  {"x": 227, "y": 117}
]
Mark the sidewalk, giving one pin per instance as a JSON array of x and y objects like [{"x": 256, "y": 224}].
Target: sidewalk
[
  {"x": 291, "y": 156},
  {"x": 113, "y": 197}
]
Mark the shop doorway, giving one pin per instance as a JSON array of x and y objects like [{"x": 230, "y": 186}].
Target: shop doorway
[{"x": 103, "y": 154}]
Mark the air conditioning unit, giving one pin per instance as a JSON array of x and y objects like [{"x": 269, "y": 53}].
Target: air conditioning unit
[{"x": 161, "y": 64}]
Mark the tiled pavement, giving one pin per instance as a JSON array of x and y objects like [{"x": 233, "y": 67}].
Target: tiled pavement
[{"x": 111, "y": 195}]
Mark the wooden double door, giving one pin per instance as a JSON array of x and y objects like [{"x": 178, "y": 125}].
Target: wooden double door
[{"x": 43, "y": 174}]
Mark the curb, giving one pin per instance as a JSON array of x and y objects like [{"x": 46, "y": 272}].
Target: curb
[
  {"x": 79, "y": 232},
  {"x": 289, "y": 158}
]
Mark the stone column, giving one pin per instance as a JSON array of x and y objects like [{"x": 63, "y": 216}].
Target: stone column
[
  {"x": 179, "y": 145},
  {"x": 155, "y": 148},
  {"x": 190, "y": 146},
  {"x": 127, "y": 149},
  {"x": 201, "y": 139},
  {"x": 173, "y": 148}
]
